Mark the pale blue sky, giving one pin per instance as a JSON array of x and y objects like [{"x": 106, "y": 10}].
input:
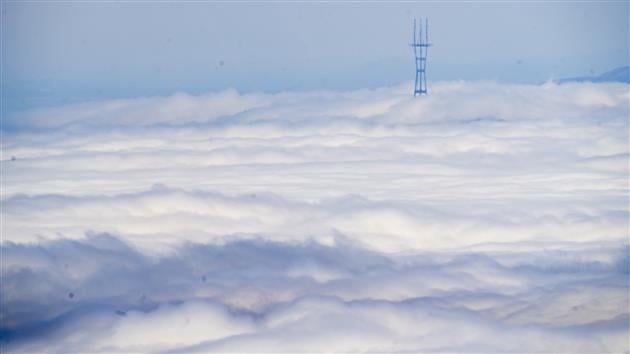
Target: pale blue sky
[{"x": 56, "y": 52}]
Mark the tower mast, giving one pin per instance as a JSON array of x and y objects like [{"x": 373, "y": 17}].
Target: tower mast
[{"x": 420, "y": 47}]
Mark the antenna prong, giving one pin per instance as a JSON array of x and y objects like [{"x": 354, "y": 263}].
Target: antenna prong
[
  {"x": 426, "y": 31},
  {"x": 414, "y": 30}
]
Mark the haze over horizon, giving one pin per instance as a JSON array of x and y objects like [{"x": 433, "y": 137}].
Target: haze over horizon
[{"x": 63, "y": 52}]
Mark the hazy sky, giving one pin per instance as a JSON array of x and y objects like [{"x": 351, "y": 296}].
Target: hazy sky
[{"x": 55, "y": 52}]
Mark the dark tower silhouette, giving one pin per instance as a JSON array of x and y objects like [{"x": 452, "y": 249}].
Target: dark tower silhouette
[{"x": 420, "y": 47}]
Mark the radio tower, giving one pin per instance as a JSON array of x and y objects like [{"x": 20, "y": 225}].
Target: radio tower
[{"x": 420, "y": 48}]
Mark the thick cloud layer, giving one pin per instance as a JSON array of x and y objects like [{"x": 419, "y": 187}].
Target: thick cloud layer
[
  {"x": 321, "y": 221},
  {"x": 255, "y": 295}
]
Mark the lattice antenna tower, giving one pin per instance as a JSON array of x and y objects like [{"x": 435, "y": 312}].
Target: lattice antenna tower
[{"x": 420, "y": 47}]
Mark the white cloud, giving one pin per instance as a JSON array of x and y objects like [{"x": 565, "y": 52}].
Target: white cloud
[
  {"x": 149, "y": 220},
  {"x": 321, "y": 221}
]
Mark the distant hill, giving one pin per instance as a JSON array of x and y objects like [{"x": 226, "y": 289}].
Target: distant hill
[{"x": 621, "y": 74}]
